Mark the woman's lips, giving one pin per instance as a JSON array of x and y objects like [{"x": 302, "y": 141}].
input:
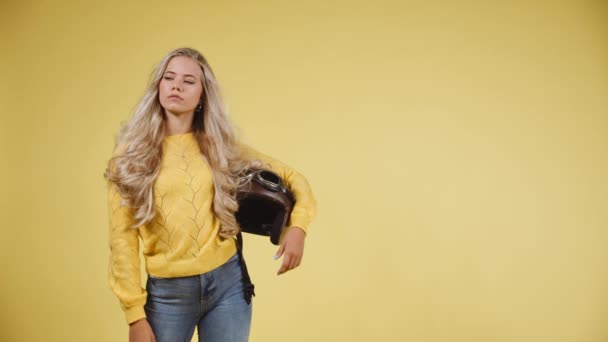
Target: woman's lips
[{"x": 175, "y": 97}]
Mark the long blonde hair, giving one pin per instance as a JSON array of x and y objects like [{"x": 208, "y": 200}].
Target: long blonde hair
[{"x": 136, "y": 161}]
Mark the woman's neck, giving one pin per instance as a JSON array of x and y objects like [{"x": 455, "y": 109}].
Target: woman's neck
[{"x": 178, "y": 124}]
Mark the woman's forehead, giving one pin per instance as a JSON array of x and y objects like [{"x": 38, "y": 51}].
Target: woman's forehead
[{"x": 183, "y": 66}]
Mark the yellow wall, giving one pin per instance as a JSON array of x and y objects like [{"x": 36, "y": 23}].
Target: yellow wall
[{"x": 458, "y": 150}]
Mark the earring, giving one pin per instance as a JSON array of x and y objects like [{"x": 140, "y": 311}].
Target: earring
[{"x": 199, "y": 107}]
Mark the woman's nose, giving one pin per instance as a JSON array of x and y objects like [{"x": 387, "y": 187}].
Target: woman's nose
[{"x": 175, "y": 86}]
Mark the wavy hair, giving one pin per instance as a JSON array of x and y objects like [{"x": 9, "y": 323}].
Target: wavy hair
[{"x": 136, "y": 160}]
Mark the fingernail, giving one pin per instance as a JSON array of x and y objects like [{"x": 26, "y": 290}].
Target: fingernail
[{"x": 275, "y": 257}]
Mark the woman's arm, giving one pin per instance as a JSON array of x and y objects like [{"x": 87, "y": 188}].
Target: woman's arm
[
  {"x": 124, "y": 275},
  {"x": 304, "y": 210},
  {"x": 305, "y": 206}
]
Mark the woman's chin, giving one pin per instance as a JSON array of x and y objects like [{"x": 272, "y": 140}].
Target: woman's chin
[{"x": 177, "y": 110}]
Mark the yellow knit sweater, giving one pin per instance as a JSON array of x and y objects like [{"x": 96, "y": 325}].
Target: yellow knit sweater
[{"x": 183, "y": 238}]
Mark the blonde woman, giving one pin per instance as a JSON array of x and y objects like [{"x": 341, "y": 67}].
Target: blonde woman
[{"x": 172, "y": 181}]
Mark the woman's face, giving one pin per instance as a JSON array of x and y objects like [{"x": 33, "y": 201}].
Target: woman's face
[{"x": 180, "y": 88}]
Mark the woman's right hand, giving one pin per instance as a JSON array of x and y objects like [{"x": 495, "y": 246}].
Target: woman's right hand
[{"x": 140, "y": 331}]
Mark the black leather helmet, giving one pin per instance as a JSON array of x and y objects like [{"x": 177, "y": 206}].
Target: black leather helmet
[{"x": 265, "y": 204}]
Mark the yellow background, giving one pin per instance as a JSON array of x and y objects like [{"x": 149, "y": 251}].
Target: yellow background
[{"x": 458, "y": 151}]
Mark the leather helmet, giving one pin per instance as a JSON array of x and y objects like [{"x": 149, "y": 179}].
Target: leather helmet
[{"x": 265, "y": 204}]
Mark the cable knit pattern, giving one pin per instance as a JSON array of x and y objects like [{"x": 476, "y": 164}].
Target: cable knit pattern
[{"x": 183, "y": 239}]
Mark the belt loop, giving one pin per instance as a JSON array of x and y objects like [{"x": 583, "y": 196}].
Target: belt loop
[{"x": 249, "y": 287}]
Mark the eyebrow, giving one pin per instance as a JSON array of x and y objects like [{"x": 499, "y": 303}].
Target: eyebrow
[{"x": 185, "y": 75}]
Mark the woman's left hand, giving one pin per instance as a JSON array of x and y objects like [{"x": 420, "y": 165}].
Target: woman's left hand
[{"x": 292, "y": 247}]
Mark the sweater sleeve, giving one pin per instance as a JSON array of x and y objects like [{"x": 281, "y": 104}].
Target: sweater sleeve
[
  {"x": 124, "y": 265},
  {"x": 305, "y": 207}
]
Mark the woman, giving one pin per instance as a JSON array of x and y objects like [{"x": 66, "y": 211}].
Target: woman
[{"x": 172, "y": 182}]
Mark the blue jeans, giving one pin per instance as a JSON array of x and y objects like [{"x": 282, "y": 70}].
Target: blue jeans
[{"x": 212, "y": 301}]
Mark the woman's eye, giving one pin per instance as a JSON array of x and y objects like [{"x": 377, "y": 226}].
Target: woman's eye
[{"x": 170, "y": 78}]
